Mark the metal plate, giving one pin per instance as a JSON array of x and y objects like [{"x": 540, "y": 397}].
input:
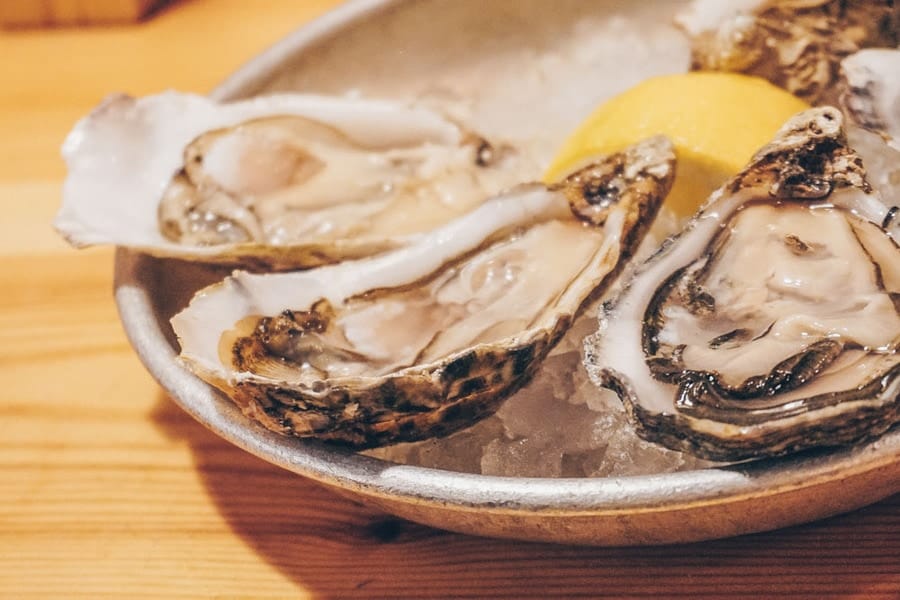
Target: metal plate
[{"x": 694, "y": 505}]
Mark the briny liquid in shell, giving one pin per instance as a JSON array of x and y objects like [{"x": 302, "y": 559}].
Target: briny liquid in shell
[{"x": 560, "y": 425}]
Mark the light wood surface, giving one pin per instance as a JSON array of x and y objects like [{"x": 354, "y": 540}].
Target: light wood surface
[
  {"x": 109, "y": 490},
  {"x": 44, "y": 13}
]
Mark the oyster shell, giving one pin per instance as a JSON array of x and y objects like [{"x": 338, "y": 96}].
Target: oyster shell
[
  {"x": 770, "y": 324},
  {"x": 871, "y": 92},
  {"x": 796, "y": 44},
  {"x": 870, "y": 97},
  {"x": 429, "y": 338},
  {"x": 277, "y": 181}
]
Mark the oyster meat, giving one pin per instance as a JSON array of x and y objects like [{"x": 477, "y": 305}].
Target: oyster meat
[
  {"x": 770, "y": 324},
  {"x": 428, "y": 338},
  {"x": 277, "y": 181},
  {"x": 796, "y": 44}
]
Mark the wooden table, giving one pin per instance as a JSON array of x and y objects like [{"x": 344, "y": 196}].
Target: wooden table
[{"x": 109, "y": 489}]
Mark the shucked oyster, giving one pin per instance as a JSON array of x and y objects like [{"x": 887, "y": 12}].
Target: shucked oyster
[
  {"x": 429, "y": 338},
  {"x": 284, "y": 180},
  {"x": 796, "y": 44},
  {"x": 771, "y": 323}
]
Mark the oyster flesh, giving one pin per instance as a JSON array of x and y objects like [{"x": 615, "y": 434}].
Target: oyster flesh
[
  {"x": 796, "y": 44},
  {"x": 770, "y": 324},
  {"x": 278, "y": 181},
  {"x": 429, "y": 338}
]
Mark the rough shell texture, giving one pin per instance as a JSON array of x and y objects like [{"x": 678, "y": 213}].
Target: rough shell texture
[
  {"x": 453, "y": 390},
  {"x": 262, "y": 183},
  {"x": 870, "y": 92},
  {"x": 430, "y": 402},
  {"x": 691, "y": 406},
  {"x": 795, "y": 44}
]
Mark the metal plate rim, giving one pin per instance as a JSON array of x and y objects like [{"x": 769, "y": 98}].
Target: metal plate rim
[{"x": 444, "y": 489}]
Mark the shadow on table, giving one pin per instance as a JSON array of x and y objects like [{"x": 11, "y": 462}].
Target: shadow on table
[{"x": 337, "y": 547}]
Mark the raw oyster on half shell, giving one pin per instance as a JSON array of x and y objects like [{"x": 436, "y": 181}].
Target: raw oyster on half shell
[
  {"x": 427, "y": 339},
  {"x": 771, "y": 324},
  {"x": 796, "y": 44},
  {"x": 278, "y": 181}
]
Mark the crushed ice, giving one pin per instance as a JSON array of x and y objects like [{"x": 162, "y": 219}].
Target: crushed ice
[{"x": 559, "y": 425}]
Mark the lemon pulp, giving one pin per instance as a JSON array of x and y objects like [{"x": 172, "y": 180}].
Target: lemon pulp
[{"x": 717, "y": 121}]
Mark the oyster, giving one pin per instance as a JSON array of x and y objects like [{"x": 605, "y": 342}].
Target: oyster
[
  {"x": 278, "y": 181},
  {"x": 796, "y": 44},
  {"x": 429, "y": 338},
  {"x": 871, "y": 92},
  {"x": 870, "y": 97},
  {"x": 770, "y": 324}
]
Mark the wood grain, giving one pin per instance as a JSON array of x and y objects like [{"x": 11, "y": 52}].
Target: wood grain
[
  {"x": 47, "y": 13},
  {"x": 109, "y": 490}
]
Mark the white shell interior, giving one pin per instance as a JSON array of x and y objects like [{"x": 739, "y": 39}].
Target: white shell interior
[
  {"x": 500, "y": 294},
  {"x": 123, "y": 155},
  {"x": 584, "y": 51}
]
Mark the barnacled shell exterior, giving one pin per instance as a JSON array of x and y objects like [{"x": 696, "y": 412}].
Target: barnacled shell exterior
[
  {"x": 870, "y": 92},
  {"x": 796, "y": 44},
  {"x": 452, "y": 391},
  {"x": 435, "y": 401},
  {"x": 690, "y": 408}
]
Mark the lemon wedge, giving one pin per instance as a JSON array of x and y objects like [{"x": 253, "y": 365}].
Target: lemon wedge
[{"x": 716, "y": 121}]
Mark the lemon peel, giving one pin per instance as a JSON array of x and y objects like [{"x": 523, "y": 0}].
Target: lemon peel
[{"x": 717, "y": 121}]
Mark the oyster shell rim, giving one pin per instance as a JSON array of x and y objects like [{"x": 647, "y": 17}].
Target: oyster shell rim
[
  {"x": 540, "y": 509},
  {"x": 442, "y": 491},
  {"x": 814, "y": 131},
  {"x": 83, "y": 218},
  {"x": 448, "y": 392}
]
